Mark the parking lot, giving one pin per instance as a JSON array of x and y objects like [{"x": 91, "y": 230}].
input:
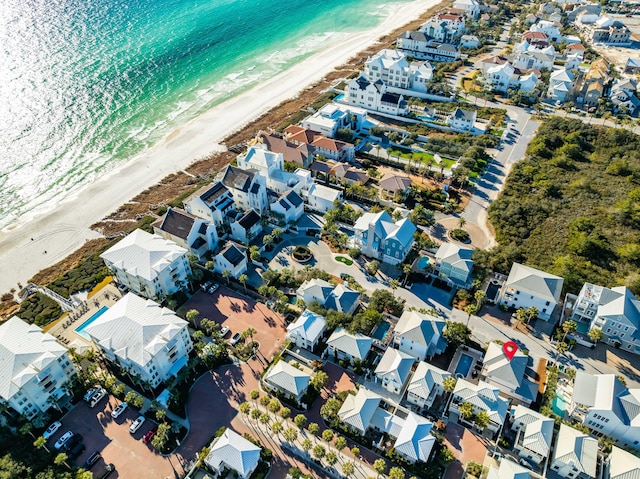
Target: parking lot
[
  {"x": 238, "y": 312},
  {"x": 100, "y": 432}
]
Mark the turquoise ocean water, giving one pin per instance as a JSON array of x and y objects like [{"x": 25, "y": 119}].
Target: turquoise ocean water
[{"x": 86, "y": 85}]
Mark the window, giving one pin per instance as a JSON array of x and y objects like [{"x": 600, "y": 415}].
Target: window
[{"x": 547, "y": 303}]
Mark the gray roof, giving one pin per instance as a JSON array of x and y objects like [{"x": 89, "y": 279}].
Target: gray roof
[
  {"x": 249, "y": 219},
  {"x": 342, "y": 299},
  {"x": 233, "y": 253},
  {"x": 498, "y": 366},
  {"x": 461, "y": 114},
  {"x": 415, "y": 440},
  {"x": 293, "y": 198},
  {"x": 355, "y": 345},
  {"x": 176, "y": 222},
  {"x": 237, "y": 178},
  {"x": 415, "y": 35},
  {"x": 457, "y": 256},
  {"x": 235, "y": 451},
  {"x": 535, "y": 282},
  {"x": 425, "y": 377},
  {"x": 288, "y": 378},
  {"x": 357, "y": 411},
  {"x": 484, "y": 397},
  {"x": 395, "y": 365},
  {"x": 419, "y": 327},
  {"x": 578, "y": 449},
  {"x": 623, "y": 464},
  {"x": 538, "y": 430},
  {"x": 309, "y": 325}
]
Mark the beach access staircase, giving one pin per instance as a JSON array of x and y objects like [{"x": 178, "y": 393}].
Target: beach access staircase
[{"x": 65, "y": 304}]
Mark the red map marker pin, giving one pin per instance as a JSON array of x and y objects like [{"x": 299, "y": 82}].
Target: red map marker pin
[{"x": 510, "y": 349}]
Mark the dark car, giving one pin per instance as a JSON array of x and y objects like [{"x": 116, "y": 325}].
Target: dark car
[
  {"x": 73, "y": 442},
  {"x": 108, "y": 470},
  {"x": 76, "y": 450},
  {"x": 92, "y": 459}
]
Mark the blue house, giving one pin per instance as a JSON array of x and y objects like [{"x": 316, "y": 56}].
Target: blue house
[{"x": 378, "y": 236}]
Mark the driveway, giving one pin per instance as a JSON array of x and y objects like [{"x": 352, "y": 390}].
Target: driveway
[{"x": 465, "y": 446}]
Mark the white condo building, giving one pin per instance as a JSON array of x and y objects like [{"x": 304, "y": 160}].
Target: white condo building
[
  {"x": 143, "y": 338},
  {"x": 148, "y": 265},
  {"x": 34, "y": 368}
]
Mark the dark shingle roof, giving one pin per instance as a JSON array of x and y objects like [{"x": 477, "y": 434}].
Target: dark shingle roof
[
  {"x": 177, "y": 222},
  {"x": 233, "y": 254},
  {"x": 213, "y": 192},
  {"x": 237, "y": 178},
  {"x": 294, "y": 198},
  {"x": 249, "y": 219}
]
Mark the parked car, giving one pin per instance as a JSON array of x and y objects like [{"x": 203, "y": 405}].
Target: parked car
[
  {"x": 72, "y": 443},
  {"x": 206, "y": 286},
  {"x": 107, "y": 471},
  {"x": 213, "y": 287},
  {"x": 137, "y": 424},
  {"x": 63, "y": 439},
  {"x": 89, "y": 394},
  {"x": 97, "y": 397},
  {"x": 224, "y": 331},
  {"x": 120, "y": 408},
  {"x": 235, "y": 339},
  {"x": 76, "y": 450},
  {"x": 51, "y": 430},
  {"x": 92, "y": 459},
  {"x": 148, "y": 436}
]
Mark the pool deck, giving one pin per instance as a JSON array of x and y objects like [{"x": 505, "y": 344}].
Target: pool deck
[{"x": 475, "y": 355}]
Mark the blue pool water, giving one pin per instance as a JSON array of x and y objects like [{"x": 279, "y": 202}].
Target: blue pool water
[
  {"x": 423, "y": 262},
  {"x": 381, "y": 331},
  {"x": 464, "y": 364},
  {"x": 583, "y": 327},
  {"x": 559, "y": 406},
  {"x": 339, "y": 97},
  {"x": 80, "y": 329}
]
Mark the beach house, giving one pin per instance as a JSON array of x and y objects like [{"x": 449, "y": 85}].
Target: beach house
[
  {"x": 419, "y": 45},
  {"x": 427, "y": 384},
  {"x": 247, "y": 226},
  {"x": 394, "y": 186},
  {"x": 148, "y": 264},
  {"x": 528, "y": 287},
  {"x": 288, "y": 380},
  {"x": 462, "y": 120},
  {"x": 322, "y": 198},
  {"x": 623, "y": 464},
  {"x": 36, "y": 369},
  {"x": 534, "y": 434},
  {"x": 306, "y": 331},
  {"x": 340, "y": 298},
  {"x": 483, "y": 397},
  {"x": 390, "y": 66},
  {"x": 373, "y": 95},
  {"x": 299, "y": 155},
  {"x": 212, "y": 203},
  {"x": 378, "y": 236},
  {"x": 248, "y": 188},
  {"x": 454, "y": 264},
  {"x": 231, "y": 451},
  {"x": 393, "y": 369},
  {"x": 142, "y": 338},
  {"x": 345, "y": 345},
  {"x": 509, "y": 469},
  {"x": 232, "y": 258},
  {"x": 575, "y": 455},
  {"x": 335, "y": 116},
  {"x": 419, "y": 335},
  {"x": 471, "y": 7},
  {"x": 195, "y": 234},
  {"x": 288, "y": 206},
  {"x": 509, "y": 374},
  {"x": 319, "y": 144}
]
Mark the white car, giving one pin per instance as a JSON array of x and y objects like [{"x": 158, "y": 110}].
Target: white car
[
  {"x": 137, "y": 424},
  {"x": 63, "y": 439},
  {"x": 51, "y": 430},
  {"x": 97, "y": 397},
  {"x": 224, "y": 331},
  {"x": 119, "y": 410}
]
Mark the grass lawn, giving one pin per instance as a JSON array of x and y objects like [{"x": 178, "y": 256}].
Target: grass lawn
[
  {"x": 421, "y": 156},
  {"x": 346, "y": 261},
  {"x": 447, "y": 163}
]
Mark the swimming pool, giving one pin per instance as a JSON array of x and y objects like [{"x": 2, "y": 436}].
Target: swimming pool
[
  {"x": 464, "y": 365},
  {"x": 381, "y": 331},
  {"x": 423, "y": 262},
  {"x": 80, "y": 329},
  {"x": 339, "y": 97},
  {"x": 559, "y": 406}
]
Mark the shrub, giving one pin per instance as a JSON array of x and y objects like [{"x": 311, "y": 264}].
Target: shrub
[{"x": 459, "y": 235}]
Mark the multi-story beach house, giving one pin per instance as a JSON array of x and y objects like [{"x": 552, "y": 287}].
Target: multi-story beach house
[
  {"x": 300, "y": 155},
  {"x": 470, "y": 7},
  {"x": 561, "y": 84},
  {"x": 550, "y": 28},
  {"x": 419, "y": 335},
  {"x": 287, "y": 380},
  {"x": 390, "y": 66},
  {"x": 534, "y": 434},
  {"x": 340, "y": 298},
  {"x": 454, "y": 264},
  {"x": 306, "y": 331},
  {"x": 575, "y": 455},
  {"x": 142, "y": 338},
  {"x": 462, "y": 120},
  {"x": 335, "y": 116},
  {"x": 232, "y": 258},
  {"x": 247, "y": 227},
  {"x": 249, "y": 188},
  {"x": 483, "y": 397},
  {"x": 35, "y": 370},
  {"x": 509, "y": 374},
  {"x": 622, "y": 464},
  {"x": 319, "y": 144},
  {"x": 603, "y": 404},
  {"x": 212, "y": 203},
  {"x": 288, "y": 206},
  {"x": 373, "y": 95},
  {"x": 419, "y": 45},
  {"x": 378, "y": 236},
  {"x": 148, "y": 265},
  {"x": 232, "y": 452},
  {"x": 615, "y": 311},
  {"x": 427, "y": 384},
  {"x": 345, "y": 345},
  {"x": 195, "y": 234},
  {"x": 529, "y": 287},
  {"x": 444, "y": 27},
  {"x": 322, "y": 198},
  {"x": 393, "y": 369}
]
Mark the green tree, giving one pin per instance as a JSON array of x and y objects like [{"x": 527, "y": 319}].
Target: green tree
[
  {"x": 449, "y": 384},
  {"x": 226, "y": 274},
  {"x": 327, "y": 435},
  {"x": 274, "y": 406},
  {"x": 380, "y": 466},
  {"x": 306, "y": 445},
  {"x": 396, "y": 473},
  {"x": 243, "y": 279},
  {"x": 192, "y": 315},
  {"x": 480, "y": 297},
  {"x": 470, "y": 309},
  {"x": 466, "y": 410},
  {"x": 482, "y": 420},
  {"x": 319, "y": 380},
  {"x": 331, "y": 458},
  {"x": 393, "y": 284},
  {"x": 264, "y": 401},
  {"x": 562, "y": 347},
  {"x": 290, "y": 435},
  {"x": 300, "y": 420},
  {"x": 285, "y": 413},
  {"x": 264, "y": 418},
  {"x": 160, "y": 415},
  {"x": 456, "y": 333},
  {"x": 595, "y": 334},
  {"x": 319, "y": 451},
  {"x": 160, "y": 438},
  {"x": 313, "y": 428},
  {"x": 277, "y": 428},
  {"x": 61, "y": 459},
  {"x": 355, "y": 451},
  {"x": 41, "y": 443},
  {"x": 255, "y": 394},
  {"x": 569, "y": 327},
  {"x": 340, "y": 443},
  {"x": 384, "y": 301},
  {"x": 245, "y": 408},
  {"x": 255, "y": 414},
  {"x": 348, "y": 468}
]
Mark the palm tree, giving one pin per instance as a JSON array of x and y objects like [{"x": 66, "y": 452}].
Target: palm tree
[
  {"x": 61, "y": 459},
  {"x": 569, "y": 327},
  {"x": 396, "y": 473},
  {"x": 480, "y": 296},
  {"x": 406, "y": 269},
  {"x": 380, "y": 466},
  {"x": 470, "y": 309},
  {"x": 306, "y": 445},
  {"x": 331, "y": 458},
  {"x": 192, "y": 315},
  {"x": 313, "y": 428},
  {"x": 466, "y": 410},
  {"x": 290, "y": 434},
  {"x": 243, "y": 279},
  {"x": 482, "y": 420},
  {"x": 462, "y": 222},
  {"x": 225, "y": 274},
  {"x": 41, "y": 443},
  {"x": 319, "y": 451},
  {"x": 348, "y": 468},
  {"x": 393, "y": 284},
  {"x": 250, "y": 332},
  {"x": 562, "y": 347},
  {"x": 595, "y": 334},
  {"x": 327, "y": 435},
  {"x": 277, "y": 428},
  {"x": 244, "y": 408},
  {"x": 254, "y": 394}
]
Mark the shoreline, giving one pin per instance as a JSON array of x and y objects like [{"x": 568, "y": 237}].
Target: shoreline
[{"x": 52, "y": 236}]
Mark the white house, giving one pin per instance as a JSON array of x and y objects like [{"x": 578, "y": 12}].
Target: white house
[
  {"x": 394, "y": 185},
  {"x": 624, "y": 97},
  {"x": 232, "y": 451},
  {"x": 508, "y": 470},
  {"x": 247, "y": 226},
  {"x": 454, "y": 264},
  {"x": 419, "y": 45},
  {"x": 393, "y": 369},
  {"x": 143, "y": 338},
  {"x": 623, "y": 465},
  {"x": 529, "y": 287},
  {"x": 614, "y": 311},
  {"x": 415, "y": 442},
  {"x": 197, "y": 235},
  {"x": 471, "y": 7},
  {"x": 148, "y": 265},
  {"x": 378, "y": 236},
  {"x": 469, "y": 41},
  {"x": 390, "y": 66},
  {"x": 212, "y": 203},
  {"x": 305, "y": 331},
  {"x": 345, "y": 345},
  {"x": 462, "y": 120},
  {"x": 373, "y": 95},
  {"x": 444, "y": 27},
  {"x": 549, "y": 28},
  {"x": 575, "y": 455},
  {"x": 561, "y": 84},
  {"x": 335, "y": 116},
  {"x": 427, "y": 384},
  {"x": 321, "y": 198},
  {"x": 534, "y": 434},
  {"x": 290, "y": 381},
  {"x": 528, "y": 83},
  {"x": 509, "y": 374},
  {"x": 249, "y": 188},
  {"x": 419, "y": 335},
  {"x": 527, "y": 56},
  {"x": 232, "y": 258},
  {"x": 603, "y": 404},
  {"x": 483, "y": 397},
  {"x": 340, "y": 298},
  {"x": 289, "y": 206},
  {"x": 501, "y": 77},
  {"x": 35, "y": 371}
]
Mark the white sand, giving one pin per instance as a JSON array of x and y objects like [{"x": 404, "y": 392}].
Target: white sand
[{"x": 66, "y": 228}]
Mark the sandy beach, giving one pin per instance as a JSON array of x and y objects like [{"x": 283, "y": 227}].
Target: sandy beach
[{"x": 52, "y": 236}]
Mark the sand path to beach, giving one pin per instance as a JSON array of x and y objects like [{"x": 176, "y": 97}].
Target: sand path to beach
[{"x": 65, "y": 228}]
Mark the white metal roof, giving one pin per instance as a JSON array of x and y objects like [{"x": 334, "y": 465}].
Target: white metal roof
[
  {"x": 425, "y": 377},
  {"x": 288, "y": 378},
  {"x": 535, "y": 282},
  {"x": 234, "y": 451},
  {"x": 309, "y": 326},
  {"x": 355, "y": 345},
  {"x": 577, "y": 449}
]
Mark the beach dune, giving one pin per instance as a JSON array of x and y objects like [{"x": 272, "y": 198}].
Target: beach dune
[{"x": 49, "y": 238}]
